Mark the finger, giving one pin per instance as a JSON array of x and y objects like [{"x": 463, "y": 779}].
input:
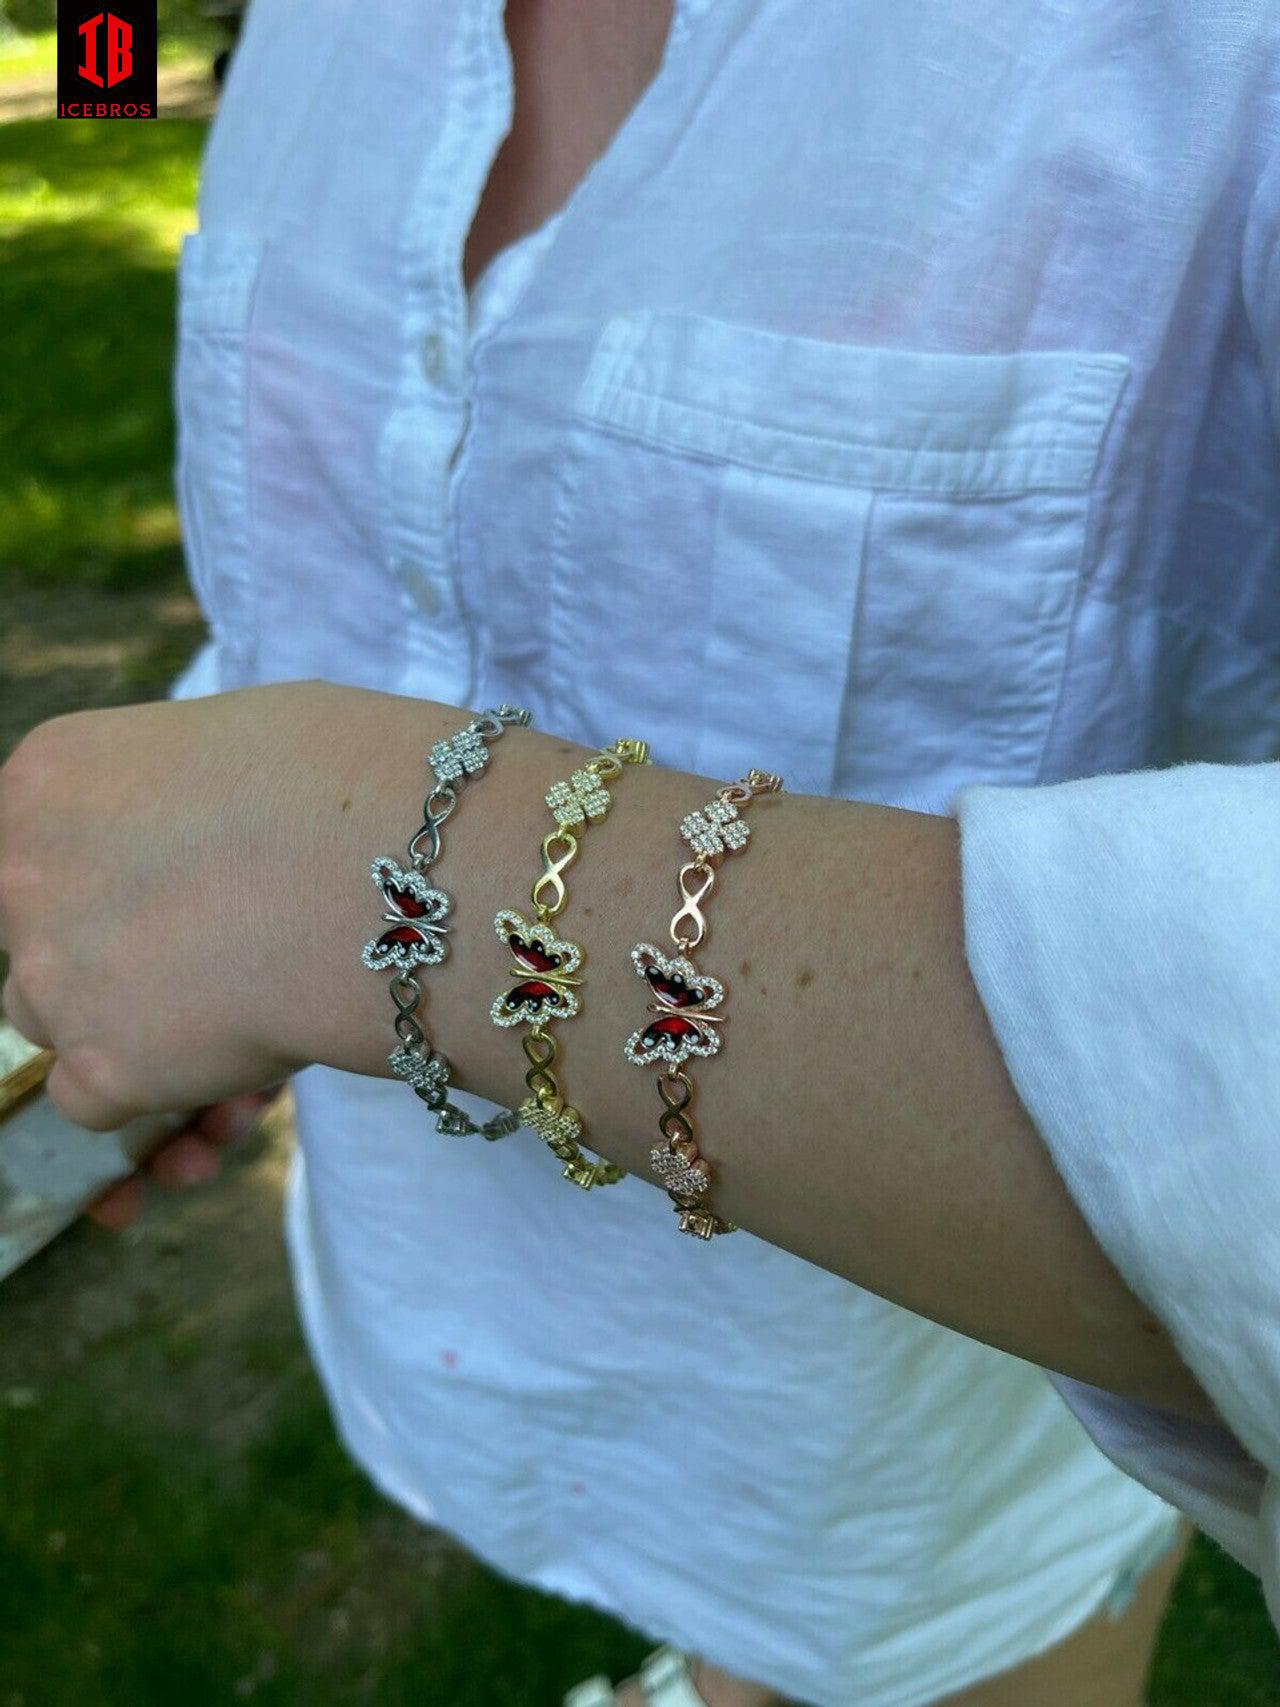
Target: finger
[
  {"x": 80, "y": 1088},
  {"x": 230, "y": 1121},
  {"x": 184, "y": 1160},
  {"x": 21, "y": 1015},
  {"x": 118, "y": 1208}
]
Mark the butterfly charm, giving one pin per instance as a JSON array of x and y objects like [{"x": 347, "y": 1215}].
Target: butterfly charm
[
  {"x": 684, "y": 1025},
  {"x": 544, "y": 966},
  {"x": 415, "y": 912}
]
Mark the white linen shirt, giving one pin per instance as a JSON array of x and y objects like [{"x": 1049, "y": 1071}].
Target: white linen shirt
[
  {"x": 906, "y": 366},
  {"x": 1124, "y": 933}
]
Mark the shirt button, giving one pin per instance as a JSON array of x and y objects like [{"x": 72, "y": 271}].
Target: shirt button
[
  {"x": 421, "y": 586},
  {"x": 433, "y": 357}
]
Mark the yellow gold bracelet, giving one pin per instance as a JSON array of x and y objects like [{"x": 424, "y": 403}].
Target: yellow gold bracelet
[
  {"x": 686, "y": 1024},
  {"x": 546, "y": 965}
]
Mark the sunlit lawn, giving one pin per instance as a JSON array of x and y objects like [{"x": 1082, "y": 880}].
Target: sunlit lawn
[
  {"x": 135, "y": 1572},
  {"x": 91, "y": 215},
  {"x": 25, "y": 56},
  {"x": 29, "y": 55},
  {"x": 136, "y": 1575}
]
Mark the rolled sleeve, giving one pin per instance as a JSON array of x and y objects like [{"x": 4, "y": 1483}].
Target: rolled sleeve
[{"x": 1124, "y": 936}]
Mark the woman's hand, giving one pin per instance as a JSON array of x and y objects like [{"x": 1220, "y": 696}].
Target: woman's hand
[{"x": 169, "y": 878}]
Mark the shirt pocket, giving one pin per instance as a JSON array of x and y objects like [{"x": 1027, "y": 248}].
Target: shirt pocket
[
  {"x": 855, "y": 564},
  {"x": 217, "y": 276}
]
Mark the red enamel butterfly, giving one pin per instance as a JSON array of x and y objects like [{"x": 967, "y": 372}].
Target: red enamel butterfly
[
  {"x": 549, "y": 993},
  {"x": 684, "y": 1025},
  {"x": 416, "y": 915}
]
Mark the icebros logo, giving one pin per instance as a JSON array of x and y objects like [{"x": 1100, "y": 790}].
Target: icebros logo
[{"x": 106, "y": 60}]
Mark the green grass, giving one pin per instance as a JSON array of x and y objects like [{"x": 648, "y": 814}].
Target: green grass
[
  {"x": 34, "y": 55},
  {"x": 28, "y": 56},
  {"x": 90, "y": 220},
  {"x": 139, "y": 1574},
  {"x": 1217, "y": 1647}
]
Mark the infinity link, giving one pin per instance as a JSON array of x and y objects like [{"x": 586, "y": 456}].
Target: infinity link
[
  {"x": 540, "y": 1050},
  {"x": 552, "y": 866},
  {"x": 674, "y": 1126},
  {"x": 539, "y": 1057},
  {"x": 691, "y": 909}
]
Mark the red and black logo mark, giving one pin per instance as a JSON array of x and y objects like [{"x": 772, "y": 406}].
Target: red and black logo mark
[{"x": 106, "y": 60}]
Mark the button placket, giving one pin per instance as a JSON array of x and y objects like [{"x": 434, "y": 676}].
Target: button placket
[
  {"x": 433, "y": 358},
  {"x": 434, "y": 403},
  {"x": 417, "y": 578}
]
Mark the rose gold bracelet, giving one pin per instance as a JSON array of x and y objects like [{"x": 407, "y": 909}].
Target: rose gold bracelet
[{"x": 685, "y": 998}]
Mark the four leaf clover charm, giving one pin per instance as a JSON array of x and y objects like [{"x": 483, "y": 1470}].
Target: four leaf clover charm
[
  {"x": 715, "y": 829},
  {"x": 583, "y": 796},
  {"x": 677, "y": 1174},
  {"x": 463, "y": 754},
  {"x": 559, "y": 1132},
  {"x": 428, "y": 1074}
]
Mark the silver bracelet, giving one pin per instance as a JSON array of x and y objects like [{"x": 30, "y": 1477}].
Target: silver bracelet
[{"x": 416, "y": 914}]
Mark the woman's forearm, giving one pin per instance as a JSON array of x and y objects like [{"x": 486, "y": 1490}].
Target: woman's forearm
[{"x": 859, "y": 1113}]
